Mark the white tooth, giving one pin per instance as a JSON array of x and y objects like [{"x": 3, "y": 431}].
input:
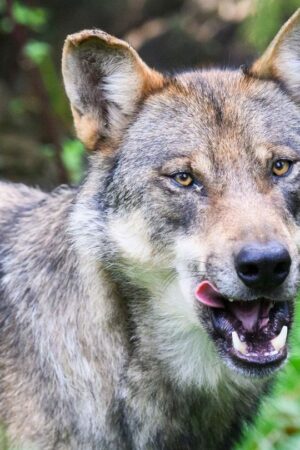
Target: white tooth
[
  {"x": 279, "y": 341},
  {"x": 238, "y": 344}
]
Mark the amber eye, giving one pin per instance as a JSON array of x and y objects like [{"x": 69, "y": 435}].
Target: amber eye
[
  {"x": 185, "y": 179},
  {"x": 281, "y": 167}
]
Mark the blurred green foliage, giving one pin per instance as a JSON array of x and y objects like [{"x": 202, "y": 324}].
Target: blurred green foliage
[
  {"x": 48, "y": 98},
  {"x": 40, "y": 54},
  {"x": 32, "y": 17},
  {"x": 72, "y": 156},
  {"x": 260, "y": 28}
]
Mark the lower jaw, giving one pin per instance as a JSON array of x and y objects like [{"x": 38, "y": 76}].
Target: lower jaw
[
  {"x": 254, "y": 370},
  {"x": 252, "y": 364},
  {"x": 269, "y": 359}
]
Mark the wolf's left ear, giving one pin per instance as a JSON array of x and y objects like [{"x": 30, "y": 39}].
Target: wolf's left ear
[
  {"x": 105, "y": 81},
  {"x": 281, "y": 60}
]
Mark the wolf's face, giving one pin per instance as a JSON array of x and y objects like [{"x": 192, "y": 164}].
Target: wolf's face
[
  {"x": 201, "y": 190},
  {"x": 212, "y": 193}
]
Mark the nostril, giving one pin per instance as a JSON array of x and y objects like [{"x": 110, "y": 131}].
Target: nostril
[
  {"x": 248, "y": 270},
  {"x": 281, "y": 268}
]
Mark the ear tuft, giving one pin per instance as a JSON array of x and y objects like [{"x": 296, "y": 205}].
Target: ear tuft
[
  {"x": 281, "y": 60},
  {"x": 105, "y": 80}
]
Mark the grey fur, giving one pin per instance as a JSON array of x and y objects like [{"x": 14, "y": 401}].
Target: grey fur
[{"x": 94, "y": 353}]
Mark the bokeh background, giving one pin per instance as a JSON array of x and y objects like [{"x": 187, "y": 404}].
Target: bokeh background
[{"x": 37, "y": 142}]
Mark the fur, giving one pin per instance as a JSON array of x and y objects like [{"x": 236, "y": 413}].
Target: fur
[{"x": 102, "y": 344}]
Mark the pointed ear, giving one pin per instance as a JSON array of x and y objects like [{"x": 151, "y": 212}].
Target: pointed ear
[
  {"x": 105, "y": 81},
  {"x": 281, "y": 60}
]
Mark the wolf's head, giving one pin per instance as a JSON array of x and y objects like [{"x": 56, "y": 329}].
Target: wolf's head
[{"x": 193, "y": 194}]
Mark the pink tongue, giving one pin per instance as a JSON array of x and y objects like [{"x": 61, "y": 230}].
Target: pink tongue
[
  {"x": 207, "y": 294},
  {"x": 247, "y": 313}
]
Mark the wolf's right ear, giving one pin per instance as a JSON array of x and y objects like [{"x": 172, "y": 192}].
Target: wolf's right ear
[
  {"x": 281, "y": 60},
  {"x": 105, "y": 81}
]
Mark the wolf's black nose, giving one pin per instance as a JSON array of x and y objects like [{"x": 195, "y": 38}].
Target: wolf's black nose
[{"x": 263, "y": 266}]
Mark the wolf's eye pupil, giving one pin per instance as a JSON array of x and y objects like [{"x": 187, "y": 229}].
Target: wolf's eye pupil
[
  {"x": 281, "y": 167},
  {"x": 183, "y": 178}
]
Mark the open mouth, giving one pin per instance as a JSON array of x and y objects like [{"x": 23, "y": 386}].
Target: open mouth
[{"x": 252, "y": 333}]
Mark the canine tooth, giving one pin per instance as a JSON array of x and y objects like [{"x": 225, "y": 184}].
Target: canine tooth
[
  {"x": 238, "y": 344},
  {"x": 279, "y": 341}
]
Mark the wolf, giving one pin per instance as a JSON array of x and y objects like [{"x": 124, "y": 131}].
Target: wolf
[{"x": 150, "y": 307}]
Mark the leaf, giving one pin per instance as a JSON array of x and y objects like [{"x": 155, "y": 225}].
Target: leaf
[
  {"x": 37, "y": 51},
  {"x": 72, "y": 156},
  {"x": 34, "y": 18}
]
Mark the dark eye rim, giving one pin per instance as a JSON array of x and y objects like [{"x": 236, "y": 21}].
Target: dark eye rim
[{"x": 289, "y": 161}]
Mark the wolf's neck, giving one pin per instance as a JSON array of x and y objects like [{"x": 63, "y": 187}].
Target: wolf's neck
[
  {"x": 173, "y": 380},
  {"x": 140, "y": 352}
]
